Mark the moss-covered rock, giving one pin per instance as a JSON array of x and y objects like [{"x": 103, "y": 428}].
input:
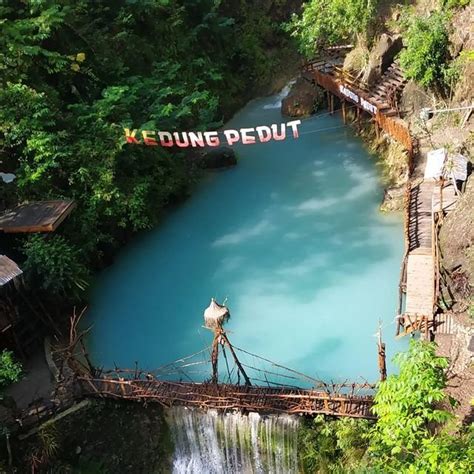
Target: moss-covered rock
[{"x": 103, "y": 437}]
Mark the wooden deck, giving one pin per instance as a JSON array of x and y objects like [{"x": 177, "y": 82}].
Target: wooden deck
[
  {"x": 230, "y": 397},
  {"x": 43, "y": 216}
]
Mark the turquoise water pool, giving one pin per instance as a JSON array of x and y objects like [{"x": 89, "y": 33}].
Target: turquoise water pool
[{"x": 292, "y": 237}]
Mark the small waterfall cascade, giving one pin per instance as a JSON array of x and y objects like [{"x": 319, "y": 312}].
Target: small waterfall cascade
[{"x": 210, "y": 442}]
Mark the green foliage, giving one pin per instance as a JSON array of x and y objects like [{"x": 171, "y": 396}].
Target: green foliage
[
  {"x": 73, "y": 74},
  {"x": 331, "y": 22},
  {"x": 56, "y": 262},
  {"x": 445, "y": 453},
  {"x": 328, "y": 445},
  {"x": 10, "y": 370},
  {"x": 448, "y": 4},
  {"x": 427, "y": 49},
  {"x": 410, "y": 435},
  {"x": 408, "y": 405}
]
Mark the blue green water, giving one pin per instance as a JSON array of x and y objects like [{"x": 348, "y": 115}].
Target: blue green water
[{"x": 292, "y": 237}]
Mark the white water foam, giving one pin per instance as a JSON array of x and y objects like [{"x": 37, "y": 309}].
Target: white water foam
[
  {"x": 214, "y": 443},
  {"x": 279, "y": 97}
]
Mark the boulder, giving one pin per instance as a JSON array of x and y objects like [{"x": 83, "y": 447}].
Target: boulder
[
  {"x": 220, "y": 157},
  {"x": 381, "y": 57},
  {"x": 302, "y": 100},
  {"x": 414, "y": 98},
  {"x": 393, "y": 199}
]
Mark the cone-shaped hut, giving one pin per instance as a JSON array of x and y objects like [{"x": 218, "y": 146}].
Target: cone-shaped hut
[{"x": 215, "y": 315}]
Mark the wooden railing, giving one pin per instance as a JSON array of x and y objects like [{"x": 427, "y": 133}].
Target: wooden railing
[{"x": 331, "y": 82}]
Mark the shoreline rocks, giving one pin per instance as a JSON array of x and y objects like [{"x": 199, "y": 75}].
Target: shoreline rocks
[
  {"x": 393, "y": 199},
  {"x": 303, "y": 99},
  {"x": 217, "y": 158}
]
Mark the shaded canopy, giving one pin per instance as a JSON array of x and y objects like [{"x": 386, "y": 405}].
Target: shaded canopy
[{"x": 215, "y": 314}]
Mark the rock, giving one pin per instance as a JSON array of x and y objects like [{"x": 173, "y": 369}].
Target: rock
[
  {"x": 393, "y": 199},
  {"x": 302, "y": 100},
  {"x": 381, "y": 57},
  {"x": 414, "y": 98},
  {"x": 220, "y": 157}
]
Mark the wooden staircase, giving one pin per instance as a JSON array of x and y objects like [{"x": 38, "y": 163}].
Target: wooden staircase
[{"x": 388, "y": 89}]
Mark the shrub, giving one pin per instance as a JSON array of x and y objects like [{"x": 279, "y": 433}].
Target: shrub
[
  {"x": 10, "y": 370},
  {"x": 55, "y": 263},
  {"x": 407, "y": 405},
  {"x": 426, "y": 53}
]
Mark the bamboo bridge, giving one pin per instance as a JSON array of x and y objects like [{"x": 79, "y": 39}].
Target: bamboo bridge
[
  {"x": 245, "y": 381},
  {"x": 271, "y": 400}
]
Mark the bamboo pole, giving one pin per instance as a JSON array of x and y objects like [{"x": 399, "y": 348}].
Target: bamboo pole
[
  {"x": 239, "y": 365},
  {"x": 215, "y": 355}
]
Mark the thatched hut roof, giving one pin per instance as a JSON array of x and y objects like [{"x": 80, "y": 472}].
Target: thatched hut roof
[{"x": 215, "y": 314}]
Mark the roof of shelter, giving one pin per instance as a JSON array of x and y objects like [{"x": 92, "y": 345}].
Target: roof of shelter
[{"x": 43, "y": 216}]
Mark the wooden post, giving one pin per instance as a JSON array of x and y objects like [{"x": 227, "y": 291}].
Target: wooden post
[
  {"x": 344, "y": 111},
  {"x": 381, "y": 355},
  {"x": 377, "y": 129},
  {"x": 358, "y": 118},
  {"x": 215, "y": 354}
]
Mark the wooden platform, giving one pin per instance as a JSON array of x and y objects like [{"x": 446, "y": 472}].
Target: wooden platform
[
  {"x": 43, "y": 216},
  {"x": 420, "y": 284}
]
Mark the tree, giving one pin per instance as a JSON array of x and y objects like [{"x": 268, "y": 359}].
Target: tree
[
  {"x": 73, "y": 74},
  {"x": 330, "y": 22}
]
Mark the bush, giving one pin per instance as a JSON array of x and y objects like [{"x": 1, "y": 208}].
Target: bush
[
  {"x": 426, "y": 53},
  {"x": 55, "y": 263},
  {"x": 454, "y": 3},
  {"x": 328, "y": 445},
  {"x": 10, "y": 370},
  {"x": 408, "y": 405}
]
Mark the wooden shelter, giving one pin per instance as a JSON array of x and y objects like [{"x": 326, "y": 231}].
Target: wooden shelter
[
  {"x": 9, "y": 270},
  {"x": 42, "y": 216}
]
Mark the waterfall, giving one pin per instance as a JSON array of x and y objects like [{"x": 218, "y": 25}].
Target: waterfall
[{"x": 214, "y": 443}]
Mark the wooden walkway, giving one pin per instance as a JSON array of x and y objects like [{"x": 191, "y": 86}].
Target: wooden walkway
[
  {"x": 379, "y": 101},
  {"x": 230, "y": 397},
  {"x": 420, "y": 279}
]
